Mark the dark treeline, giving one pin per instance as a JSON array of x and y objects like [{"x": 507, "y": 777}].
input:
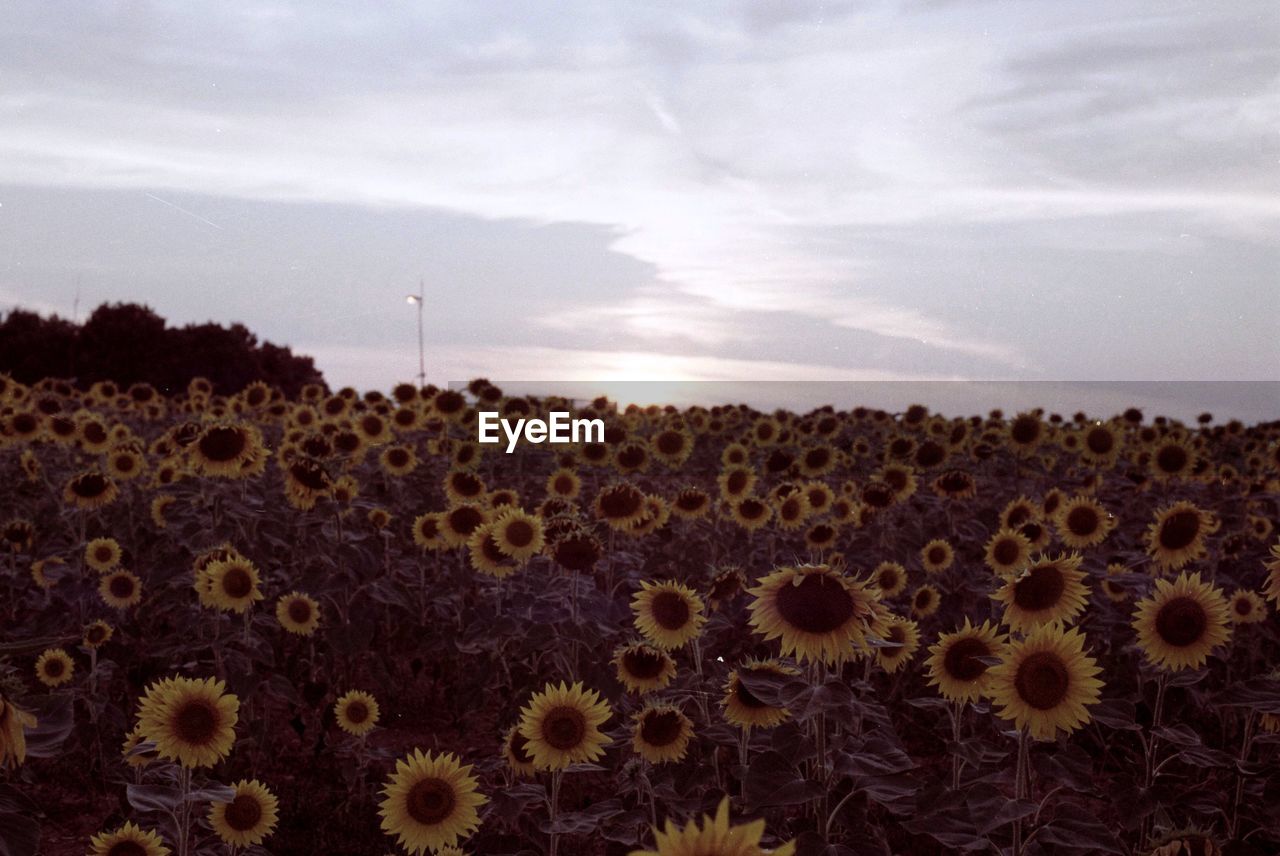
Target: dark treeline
[{"x": 128, "y": 343}]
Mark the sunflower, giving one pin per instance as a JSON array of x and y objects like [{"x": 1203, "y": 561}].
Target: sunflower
[
  {"x": 13, "y": 741},
  {"x": 460, "y": 522},
  {"x": 1025, "y": 433},
  {"x": 97, "y": 634},
  {"x": 306, "y": 481},
  {"x": 55, "y": 667},
  {"x": 1100, "y": 444},
  {"x": 564, "y": 482},
  {"x": 128, "y": 840},
  {"x": 248, "y": 817},
  {"x": 925, "y": 601},
  {"x": 517, "y": 534},
  {"x": 136, "y": 750},
  {"x": 643, "y": 668},
  {"x": 191, "y": 720},
  {"x": 430, "y": 802},
  {"x": 232, "y": 584},
  {"x": 379, "y": 518},
  {"x": 661, "y": 733},
  {"x": 1045, "y": 681},
  {"x": 486, "y": 555},
  {"x": 562, "y": 725},
  {"x": 1082, "y": 522},
  {"x": 120, "y": 589},
  {"x": 398, "y": 460},
  {"x": 515, "y": 751},
  {"x": 102, "y": 554},
  {"x": 890, "y": 578},
  {"x": 1177, "y": 535},
  {"x": 464, "y": 486},
  {"x": 1272, "y": 565},
  {"x": 1115, "y": 590},
  {"x": 672, "y": 446},
  {"x": 1172, "y": 459},
  {"x": 620, "y": 505},
  {"x": 716, "y": 837},
  {"x": 1182, "y": 622},
  {"x": 1247, "y": 607},
  {"x": 125, "y": 464},
  {"x": 668, "y": 614},
  {"x": 159, "y": 506},
  {"x": 905, "y": 635},
  {"x": 298, "y": 613},
  {"x": 1049, "y": 591},
  {"x": 955, "y": 484},
  {"x": 357, "y": 712},
  {"x": 816, "y": 612},
  {"x": 1021, "y": 510},
  {"x": 231, "y": 450},
  {"x": 427, "y": 532},
  {"x": 937, "y": 556},
  {"x": 751, "y": 513},
  {"x": 747, "y": 711},
  {"x": 1008, "y": 552},
  {"x": 956, "y": 661},
  {"x": 89, "y": 490},
  {"x": 736, "y": 482},
  {"x": 691, "y": 503}
]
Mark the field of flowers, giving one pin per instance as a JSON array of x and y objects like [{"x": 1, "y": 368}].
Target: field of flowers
[{"x": 338, "y": 624}]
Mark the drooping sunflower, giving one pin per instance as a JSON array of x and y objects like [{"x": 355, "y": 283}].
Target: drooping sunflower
[
  {"x": 128, "y": 840},
  {"x": 356, "y": 712},
  {"x": 298, "y": 613},
  {"x": 120, "y": 589},
  {"x": 956, "y": 661},
  {"x": 430, "y": 802},
  {"x": 232, "y": 584},
  {"x": 136, "y": 750},
  {"x": 817, "y": 613},
  {"x": 791, "y": 511},
  {"x": 1045, "y": 682},
  {"x": 232, "y": 450},
  {"x": 55, "y": 667},
  {"x": 1178, "y": 534},
  {"x": 306, "y": 482},
  {"x": 13, "y": 741},
  {"x": 1247, "y": 607},
  {"x": 518, "y": 534},
  {"x": 691, "y": 503},
  {"x": 925, "y": 601},
  {"x": 1082, "y": 522},
  {"x": 744, "y": 709},
  {"x": 905, "y": 635},
  {"x": 751, "y": 513},
  {"x": 937, "y": 556},
  {"x": 248, "y": 817},
  {"x": 97, "y": 634},
  {"x": 668, "y": 614},
  {"x": 1008, "y": 552},
  {"x": 955, "y": 484},
  {"x": 715, "y": 837},
  {"x": 1051, "y": 590},
  {"x": 1021, "y": 510},
  {"x": 89, "y": 490},
  {"x": 159, "y": 505},
  {"x": 516, "y": 752},
  {"x": 1115, "y": 590},
  {"x": 1182, "y": 622},
  {"x": 102, "y": 554},
  {"x": 736, "y": 482},
  {"x": 643, "y": 668},
  {"x": 464, "y": 486},
  {"x": 562, "y": 726},
  {"x": 191, "y": 720},
  {"x": 661, "y": 733},
  {"x": 1272, "y": 586},
  {"x": 620, "y": 505}
]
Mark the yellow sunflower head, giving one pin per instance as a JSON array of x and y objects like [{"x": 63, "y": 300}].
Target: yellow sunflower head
[
  {"x": 136, "y": 750},
  {"x": 661, "y": 733},
  {"x": 905, "y": 636},
  {"x": 233, "y": 584},
  {"x": 430, "y": 802},
  {"x": 957, "y": 661},
  {"x": 562, "y": 726},
  {"x": 248, "y": 817},
  {"x": 298, "y": 613},
  {"x": 937, "y": 556},
  {"x": 1008, "y": 552},
  {"x": 1049, "y": 591},
  {"x": 1178, "y": 534},
  {"x": 1046, "y": 681},
  {"x": 643, "y": 668},
  {"x": 925, "y": 601},
  {"x": 120, "y": 589},
  {"x": 890, "y": 578},
  {"x": 1082, "y": 522},
  {"x": 97, "y": 634},
  {"x": 714, "y": 837},
  {"x": 102, "y": 554},
  {"x": 1182, "y": 622},
  {"x": 128, "y": 840},
  {"x": 55, "y": 667},
  {"x": 518, "y": 534},
  {"x": 191, "y": 720},
  {"x": 357, "y": 712},
  {"x": 817, "y": 613},
  {"x": 668, "y": 614},
  {"x": 742, "y": 707},
  {"x": 1247, "y": 607},
  {"x": 515, "y": 749}
]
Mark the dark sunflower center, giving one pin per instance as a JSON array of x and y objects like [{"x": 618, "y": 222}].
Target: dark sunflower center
[
  {"x": 89, "y": 485},
  {"x": 660, "y": 728},
  {"x": 465, "y": 519},
  {"x": 237, "y": 582},
  {"x": 310, "y": 475},
  {"x": 95, "y": 635},
  {"x": 961, "y": 660},
  {"x": 1017, "y": 516},
  {"x": 428, "y": 528},
  {"x": 519, "y": 533},
  {"x": 690, "y": 501},
  {"x": 1243, "y": 607},
  {"x": 937, "y": 555},
  {"x": 1042, "y": 680},
  {"x": 1181, "y": 622},
  {"x": 398, "y": 458},
  {"x": 223, "y": 443},
  {"x": 121, "y": 586},
  {"x": 1025, "y": 431},
  {"x": 1082, "y": 520},
  {"x": 888, "y": 578},
  {"x": 127, "y": 848},
  {"x": 955, "y": 482},
  {"x": 243, "y": 813},
  {"x": 818, "y": 604},
  {"x": 878, "y": 495},
  {"x": 924, "y": 598},
  {"x": 1171, "y": 459},
  {"x": 670, "y": 442},
  {"x": 564, "y": 728},
  {"x": 467, "y": 485},
  {"x": 816, "y": 459},
  {"x": 621, "y": 502},
  {"x": 372, "y": 425},
  {"x": 1006, "y": 551},
  {"x": 103, "y": 554},
  {"x": 299, "y": 611},
  {"x": 670, "y": 610},
  {"x": 1041, "y": 589},
  {"x": 95, "y": 433},
  {"x": 790, "y": 510},
  {"x": 1099, "y": 441},
  {"x": 430, "y": 802},
  {"x": 519, "y": 747},
  {"x": 1180, "y": 529},
  {"x": 54, "y": 668},
  {"x": 196, "y": 722},
  {"x": 357, "y": 712},
  {"x": 564, "y": 484},
  {"x": 643, "y": 664}
]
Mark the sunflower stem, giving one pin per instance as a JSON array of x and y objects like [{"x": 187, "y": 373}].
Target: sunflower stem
[
  {"x": 1234, "y": 828},
  {"x": 957, "y": 711},
  {"x": 554, "y": 809},
  {"x": 1020, "y": 778},
  {"x": 184, "y": 810},
  {"x": 1149, "y": 762}
]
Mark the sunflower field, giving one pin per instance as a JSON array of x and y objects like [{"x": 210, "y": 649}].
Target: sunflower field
[{"x": 339, "y": 624}]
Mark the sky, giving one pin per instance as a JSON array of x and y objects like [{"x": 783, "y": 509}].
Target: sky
[{"x": 789, "y": 191}]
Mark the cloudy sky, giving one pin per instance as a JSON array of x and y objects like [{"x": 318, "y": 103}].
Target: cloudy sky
[{"x": 784, "y": 191}]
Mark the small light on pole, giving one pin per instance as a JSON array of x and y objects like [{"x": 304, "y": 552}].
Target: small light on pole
[{"x": 422, "y": 355}]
